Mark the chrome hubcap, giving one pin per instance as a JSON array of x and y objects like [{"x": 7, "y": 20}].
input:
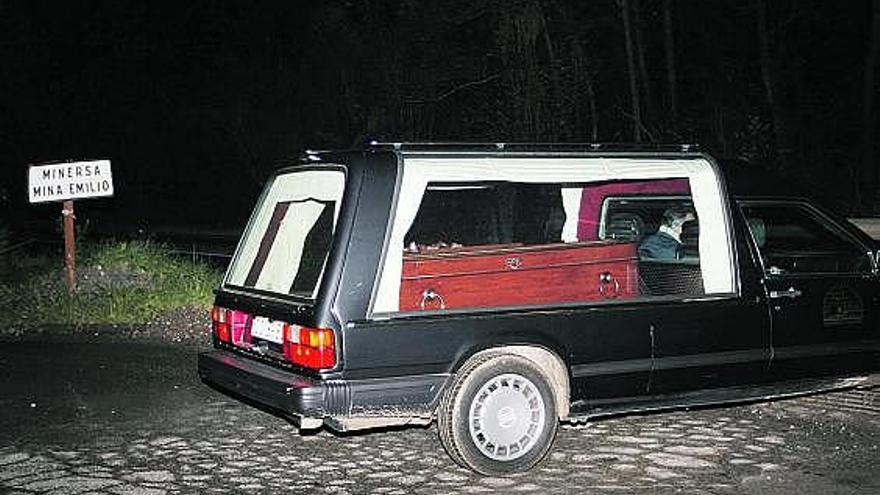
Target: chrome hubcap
[{"x": 506, "y": 417}]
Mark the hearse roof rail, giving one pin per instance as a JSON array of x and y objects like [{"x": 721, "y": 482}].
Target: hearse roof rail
[
  {"x": 434, "y": 147},
  {"x": 310, "y": 155}
]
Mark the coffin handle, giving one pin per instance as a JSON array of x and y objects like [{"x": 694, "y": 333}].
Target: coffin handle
[
  {"x": 606, "y": 280},
  {"x": 431, "y": 295}
]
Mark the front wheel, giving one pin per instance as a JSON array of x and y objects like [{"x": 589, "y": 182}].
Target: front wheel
[{"x": 499, "y": 416}]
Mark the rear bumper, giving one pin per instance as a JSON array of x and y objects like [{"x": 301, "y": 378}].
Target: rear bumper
[
  {"x": 333, "y": 401},
  {"x": 259, "y": 382}
]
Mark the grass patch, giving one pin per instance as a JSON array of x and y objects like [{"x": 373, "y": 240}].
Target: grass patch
[{"x": 117, "y": 282}]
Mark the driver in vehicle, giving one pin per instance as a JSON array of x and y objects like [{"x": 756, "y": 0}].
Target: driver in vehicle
[{"x": 665, "y": 244}]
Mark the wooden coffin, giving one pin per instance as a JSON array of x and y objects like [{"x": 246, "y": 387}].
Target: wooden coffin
[{"x": 515, "y": 275}]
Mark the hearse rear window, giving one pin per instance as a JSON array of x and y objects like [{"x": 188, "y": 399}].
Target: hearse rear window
[
  {"x": 288, "y": 239},
  {"x": 530, "y": 233}
]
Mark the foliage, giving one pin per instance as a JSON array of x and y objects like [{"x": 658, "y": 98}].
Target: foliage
[
  {"x": 755, "y": 141},
  {"x": 228, "y": 95},
  {"x": 118, "y": 282},
  {"x": 5, "y": 254}
]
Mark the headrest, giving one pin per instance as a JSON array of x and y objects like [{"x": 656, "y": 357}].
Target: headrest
[
  {"x": 759, "y": 231},
  {"x": 690, "y": 233},
  {"x": 624, "y": 227}
]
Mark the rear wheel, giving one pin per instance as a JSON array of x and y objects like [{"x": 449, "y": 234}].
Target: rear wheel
[{"x": 499, "y": 416}]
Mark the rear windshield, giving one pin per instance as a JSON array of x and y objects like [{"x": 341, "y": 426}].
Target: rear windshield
[{"x": 285, "y": 247}]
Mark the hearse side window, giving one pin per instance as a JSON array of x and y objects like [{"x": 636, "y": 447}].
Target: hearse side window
[
  {"x": 502, "y": 244},
  {"x": 288, "y": 240},
  {"x": 793, "y": 238},
  {"x": 511, "y": 232}
]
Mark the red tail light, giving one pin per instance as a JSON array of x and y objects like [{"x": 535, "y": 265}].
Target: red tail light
[
  {"x": 310, "y": 347},
  {"x": 220, "y": 324}
]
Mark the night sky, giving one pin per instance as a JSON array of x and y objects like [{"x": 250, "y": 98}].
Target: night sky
[{"x": 196, "y": 102}]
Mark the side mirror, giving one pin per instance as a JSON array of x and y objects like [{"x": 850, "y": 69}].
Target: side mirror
[{"x": 775, "y": 270}]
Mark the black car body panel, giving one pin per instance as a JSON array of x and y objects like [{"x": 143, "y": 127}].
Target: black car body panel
[{"x": 612, "y": 355}]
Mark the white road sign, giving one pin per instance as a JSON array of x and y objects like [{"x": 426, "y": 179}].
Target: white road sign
[{"x": 61, "y": 181}]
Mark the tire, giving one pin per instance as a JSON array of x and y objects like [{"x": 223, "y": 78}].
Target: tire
[{"x": 499, "y": 416}]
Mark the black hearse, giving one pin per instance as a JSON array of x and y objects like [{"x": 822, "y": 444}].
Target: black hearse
[{"x": 500, "y": 289}]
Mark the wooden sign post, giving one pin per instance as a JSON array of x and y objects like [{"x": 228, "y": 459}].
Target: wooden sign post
[
  {"x": 65, "y": 182},
  {"x": 69, "y": 246}
]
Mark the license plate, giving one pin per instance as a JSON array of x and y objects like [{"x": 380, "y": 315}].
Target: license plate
[{"x": 263, "y": 328}]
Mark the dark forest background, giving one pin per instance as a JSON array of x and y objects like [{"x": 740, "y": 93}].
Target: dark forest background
[{"x": 195, "y": 102}]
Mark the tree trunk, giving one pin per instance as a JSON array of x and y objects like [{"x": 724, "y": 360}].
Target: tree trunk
[
  {"x": 640, "y": 53},
  {"x": 594, "y": 115},
  {"x": 669, "y": 46},
  {"x": 768, "y": 79},
  {"x": 631, "y": 70},
  {"x": 868, "y": 174}
]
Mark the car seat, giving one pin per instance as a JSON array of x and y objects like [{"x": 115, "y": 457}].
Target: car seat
[
  {"x": 690, "y": 239},
  {"x": 626, "y": 227}
]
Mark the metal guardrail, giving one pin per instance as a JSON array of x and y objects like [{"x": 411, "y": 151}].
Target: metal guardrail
[
  {"x": 16, "y": 246},
  {"x": 871, "y": 226},
  {"x": 195, "y": 251},
  {"x": 196, "y": 254}
]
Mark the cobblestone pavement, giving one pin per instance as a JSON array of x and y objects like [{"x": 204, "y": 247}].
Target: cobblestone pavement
[{"x": 214, "y": 444}]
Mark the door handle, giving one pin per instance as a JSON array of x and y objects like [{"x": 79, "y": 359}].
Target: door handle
[{"x": 791, "y": 293}]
